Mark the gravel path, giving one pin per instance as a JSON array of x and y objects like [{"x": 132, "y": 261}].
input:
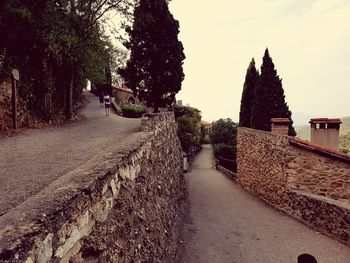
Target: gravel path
[
  {"x": 226, "y": 225},
  {"x": 31, "y": 161}
]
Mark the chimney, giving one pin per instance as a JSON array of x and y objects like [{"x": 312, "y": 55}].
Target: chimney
[
  {"x": 325, "y": 132},
  {"x": 280, "y": 126}
]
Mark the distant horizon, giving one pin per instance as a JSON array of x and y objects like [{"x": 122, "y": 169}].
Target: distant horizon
[{"x": 296, "y": 123}]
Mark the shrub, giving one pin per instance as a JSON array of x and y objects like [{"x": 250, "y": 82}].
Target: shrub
[
  {"x": 224, "y": 131},
  {"x": 224, "y": 151},
  {"x": 226, "y": 155},
  {"x": 188, "y": 122},
  {"x": 132, "y": 110}
]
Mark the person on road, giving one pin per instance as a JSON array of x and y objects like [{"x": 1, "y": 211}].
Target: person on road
[
  {"x": 107, "y": 100},
  {"x": 101, "y": 97}
]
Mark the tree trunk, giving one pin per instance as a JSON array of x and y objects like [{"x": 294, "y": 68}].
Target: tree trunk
[{"x": 69, "y": 95}]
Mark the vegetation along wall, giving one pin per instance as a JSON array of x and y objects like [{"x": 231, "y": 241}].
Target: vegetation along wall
[
  {"x": 309, "y": 182},
  {"x": 124, "y": 206}
]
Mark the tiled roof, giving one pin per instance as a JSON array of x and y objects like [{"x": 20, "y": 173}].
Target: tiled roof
[
  {"x": 325, "y": 151},
  {"x": 325, "y": 120}
]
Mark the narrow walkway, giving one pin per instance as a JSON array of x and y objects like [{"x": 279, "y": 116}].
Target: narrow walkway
[
  {"x": 227, "y": 224},
  {"x": 33, "y": 160}
]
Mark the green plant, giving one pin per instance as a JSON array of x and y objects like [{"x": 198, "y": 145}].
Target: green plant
[
  {"x": 154, "y": 70},
  {"x": 248, "y": 95},
  {"x": 189, "y": 132},
  {"x": 224, "y": 131},
  {"x": 269, "y": 101},
  {"x": 224, "y": 150},
  {"x": 226, "y": 155},
  {"x": 132, "y": 110}
]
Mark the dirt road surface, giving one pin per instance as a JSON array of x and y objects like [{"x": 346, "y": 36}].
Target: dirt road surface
[
  {"x": 31, "y": 161},
  {"x": 227, "y": 225}
]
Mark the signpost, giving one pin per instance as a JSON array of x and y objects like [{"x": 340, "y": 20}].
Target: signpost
[{"x": 15, "y": 79}]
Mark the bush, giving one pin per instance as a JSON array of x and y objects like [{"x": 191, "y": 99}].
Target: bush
[
  {"x": 188, "y": 122},
  {"x": 224, "y": 131},
  {"x": 132, "y": 110},
  {"x": 224, "y": 151},
  {"x": 188, "y": 133},
  {"x": 226, "y": 155}
]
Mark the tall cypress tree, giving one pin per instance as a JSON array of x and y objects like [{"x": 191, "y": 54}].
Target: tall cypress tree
[
  {"x": 269, "y": 98},
  {"x": 154, "y": 71},
  {"x": 248, "y": 95}
]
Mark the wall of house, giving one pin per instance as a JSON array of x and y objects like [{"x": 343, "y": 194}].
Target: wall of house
[
  {"x": 125, "y": 205},
  {"x": 296, "y": 176},
  {"x": 122, "y": 96}
]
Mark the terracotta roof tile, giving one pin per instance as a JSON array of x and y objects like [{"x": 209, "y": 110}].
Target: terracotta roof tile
[{"x": 319, "y": 149}]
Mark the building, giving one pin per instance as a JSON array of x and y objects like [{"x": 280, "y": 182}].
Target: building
[{"x": 206, "y": 128}]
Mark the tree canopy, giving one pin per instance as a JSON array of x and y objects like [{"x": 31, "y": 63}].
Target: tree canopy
[
  {"x": 269, "y": 98},
  {"x": 224, "y": 140},
  {"x": 224, "y": 131},
  {"x": 187, "y": 119},
  {"x": 154, "y": 71},
  {"x": 56, "y": 45},
  {"x": 248, "y": 95}
]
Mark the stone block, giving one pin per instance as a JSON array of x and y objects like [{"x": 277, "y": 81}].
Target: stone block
[{"x": 45, "y": 249}]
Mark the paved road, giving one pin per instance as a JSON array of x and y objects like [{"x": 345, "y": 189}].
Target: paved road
[
  {"x": 34, "y": 159},
  {"x": 226, "y": 225}
]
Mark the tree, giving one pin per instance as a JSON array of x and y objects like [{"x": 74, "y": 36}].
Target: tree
[
  {"x": 248, "y": 95},
  {"x": 224, "y": 131},
  {"x": 269, "y": 98},
  {"x": 224, "y": 140},
  {"x": 187, "y": 119},
  {"x": 154, "y": 71},
  {"x": 56, "y": 45}
]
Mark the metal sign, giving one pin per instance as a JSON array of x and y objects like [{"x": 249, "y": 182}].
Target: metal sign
[{"x": 15, "y": 74}]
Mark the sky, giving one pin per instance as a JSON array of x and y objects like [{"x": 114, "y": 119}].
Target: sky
[{"x": 308, "y": 40}]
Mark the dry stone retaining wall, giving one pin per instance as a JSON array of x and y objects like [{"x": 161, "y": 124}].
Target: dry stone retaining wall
[
  {"x": 311, "y": 185},
  {"x": 124, "y": 206}
]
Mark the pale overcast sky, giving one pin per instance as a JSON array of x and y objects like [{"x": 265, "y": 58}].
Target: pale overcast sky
[{"x": 308, "y": 40}]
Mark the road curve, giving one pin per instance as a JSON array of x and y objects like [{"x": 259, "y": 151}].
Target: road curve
[
  {"x": 31, "y": 161},
  {"x": 226, "y": 225}
]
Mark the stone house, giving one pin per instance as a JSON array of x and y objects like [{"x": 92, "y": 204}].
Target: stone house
[{"x": 124, "y": 95}]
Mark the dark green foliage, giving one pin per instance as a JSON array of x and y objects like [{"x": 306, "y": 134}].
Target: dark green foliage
[
  {"x": 224, "y": 151},
  {"x": 56, "y": 45},
  {"x": 132, "y": 110},
  {"x": 226, "y": 155},
  {"x": 154, "y": 71},
  {"x": 224, "y": 140},
  {"x": 224, "y": 131},
  {"x": 108, "y": 76},
  {"x": 248, "y": 95},
  {"x": 269, "y": 98},
  {"x": 188, "y": 122}
]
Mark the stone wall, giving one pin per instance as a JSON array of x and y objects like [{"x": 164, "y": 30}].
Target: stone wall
[
  {"x": 297, "y": 177},
  {"x": 261, "y": 165},
  {"x": 124, "y": 96},
  {"x": 231, "y": 175},
  {"x": 316, "y": 174},
  {"x": 125, "y": 205},
  {"x": 330, "y": 216}
]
